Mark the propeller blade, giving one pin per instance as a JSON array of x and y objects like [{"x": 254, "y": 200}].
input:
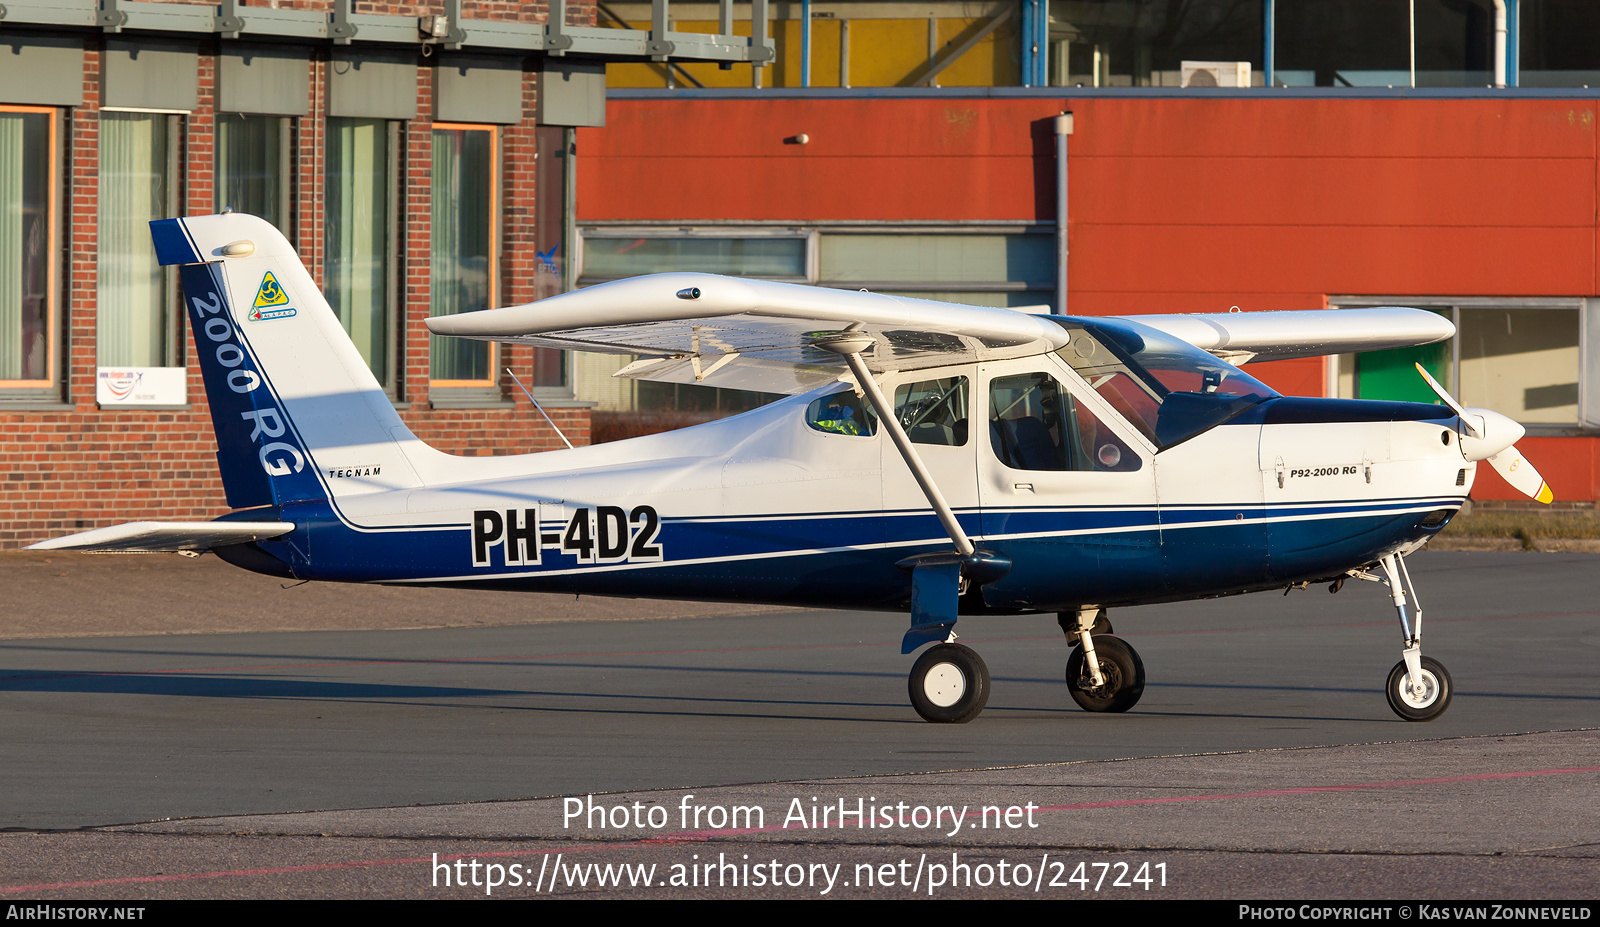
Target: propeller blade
[
  {"x": 1468, "y": 425},
  {"x": 1510, "y": 464}
]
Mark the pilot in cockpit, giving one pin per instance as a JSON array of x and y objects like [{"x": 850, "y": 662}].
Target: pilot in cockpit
[{"x": 839, "y": 414}]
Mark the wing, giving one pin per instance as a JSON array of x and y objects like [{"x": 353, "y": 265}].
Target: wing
[
  {"x": 1239, "y": 337},
  {"x": 755, "y": 334},
  {"x": 137, "y": 537}
]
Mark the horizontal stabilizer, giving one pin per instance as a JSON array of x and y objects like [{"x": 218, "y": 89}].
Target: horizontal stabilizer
[{"x": 137, "y": 537}]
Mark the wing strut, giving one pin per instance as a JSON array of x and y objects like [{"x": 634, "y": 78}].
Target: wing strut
[
  {"x": 936, "y": 578},
  {"x": 850, "y": 344}
]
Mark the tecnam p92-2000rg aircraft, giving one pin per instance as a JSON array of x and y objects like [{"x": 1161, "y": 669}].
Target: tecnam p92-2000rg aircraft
[{"x": 935, "y": 458}]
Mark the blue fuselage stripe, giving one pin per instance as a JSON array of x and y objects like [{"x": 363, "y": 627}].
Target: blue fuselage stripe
[{"x": 1061, "y": 556}]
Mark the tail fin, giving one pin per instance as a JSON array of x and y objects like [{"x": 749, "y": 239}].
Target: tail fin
[{"x": 298, "y": 414}]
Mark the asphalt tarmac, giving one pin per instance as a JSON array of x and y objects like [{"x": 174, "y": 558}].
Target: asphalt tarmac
[{"x": 1263, "y": 761}]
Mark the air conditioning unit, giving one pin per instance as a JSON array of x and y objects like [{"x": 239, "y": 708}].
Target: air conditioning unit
[{"x": 1215, "y": 74}]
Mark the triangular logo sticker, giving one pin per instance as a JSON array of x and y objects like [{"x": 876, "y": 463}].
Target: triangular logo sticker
[
  {"x": 270, "y": 293},
  {"x": 269, "y": 297}
]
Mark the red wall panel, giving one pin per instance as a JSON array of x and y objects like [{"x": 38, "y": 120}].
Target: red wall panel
[
  {"x": 1570, "y": 466},
  {"x": 1178, "y": 204},
  {"x": 1511, "y": 127}
]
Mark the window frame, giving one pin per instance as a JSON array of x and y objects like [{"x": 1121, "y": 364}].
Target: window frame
[
  {"x": 1587, "y": 419},
  {"x": 48, "y": 389},
  {"x": 475, "y": 392}
]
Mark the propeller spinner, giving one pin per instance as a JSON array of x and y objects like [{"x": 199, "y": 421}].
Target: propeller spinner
[{"x": 1488, "y": 435}]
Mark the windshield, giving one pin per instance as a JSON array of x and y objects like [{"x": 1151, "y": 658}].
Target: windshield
[{"x": 1167, "y": 388}]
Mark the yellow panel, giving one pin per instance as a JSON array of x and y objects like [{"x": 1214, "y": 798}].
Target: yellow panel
[
  {"x": 824, "y": 53},
  {"x": 887, "y": 52},
  {"x": 883, "y": 53},
  {"x": 990, "y": 63}
]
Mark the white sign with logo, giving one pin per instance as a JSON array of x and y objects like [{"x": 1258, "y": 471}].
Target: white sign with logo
[{"x": 141, "y": 386}]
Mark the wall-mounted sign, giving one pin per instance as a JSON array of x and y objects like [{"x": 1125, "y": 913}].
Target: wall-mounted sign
[{"x": 141, "y": 386}]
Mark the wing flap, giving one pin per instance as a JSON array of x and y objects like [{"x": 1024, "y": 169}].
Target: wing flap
[{"x": 137, "y": 537}]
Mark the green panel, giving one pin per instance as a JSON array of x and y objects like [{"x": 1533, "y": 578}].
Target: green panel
[{"x": 1392, "y": 375}]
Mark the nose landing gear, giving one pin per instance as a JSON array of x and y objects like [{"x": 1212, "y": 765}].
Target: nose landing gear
[
  {"x": 1419, "y": 687},
  {"x": 1422, "y": 694}
]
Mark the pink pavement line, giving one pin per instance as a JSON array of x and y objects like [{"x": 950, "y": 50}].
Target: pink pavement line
[{"x": 707, "y": 835}]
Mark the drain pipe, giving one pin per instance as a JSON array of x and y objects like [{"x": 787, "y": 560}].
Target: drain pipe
[
  {"x": 1063, "y": 129},
  {"x": 1499, "y": 43},
  {"x": 805, "y": 43}
]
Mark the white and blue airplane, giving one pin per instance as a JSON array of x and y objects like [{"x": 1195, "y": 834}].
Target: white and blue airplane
[{"x": 931, "y": 458}]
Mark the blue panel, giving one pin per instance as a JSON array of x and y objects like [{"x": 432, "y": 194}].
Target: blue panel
[
  {"x": 935, "y": 592},
  {"x": 1301, "y": 410},
  {"x": 261, "y": 458},
  {"x": 1048, "y": 573},
  {"x": 172, "y": 243}
]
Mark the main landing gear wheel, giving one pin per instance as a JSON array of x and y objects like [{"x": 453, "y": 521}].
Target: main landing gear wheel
[
  {"x": 1427, "y": 704},
  {"x": 949, "y": 684},
  {"x": 1119, "y": 665}
]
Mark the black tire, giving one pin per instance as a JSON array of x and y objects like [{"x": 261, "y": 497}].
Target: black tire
[
  {"x": 1434, "y": 701},
  {"x": 1123, "y": 672},
  {"x": 949, "y": 684}
]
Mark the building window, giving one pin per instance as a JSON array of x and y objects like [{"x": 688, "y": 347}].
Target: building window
[
  {"x": 253, "y": 168},
  {"x": 768, "y": 257},
  {"x": 463, "y": 249},
  {"x": 1137, "y": 43},
  {"x": 1003, "y": 268},
  {"x": 1525, "y": 358},
  {"x": 1010, "y": 265},
  {"x": 1558, "y": 47},
  {"x": 360, "y": 235},
  {"x": 28, "y": 272},
  {"x": 783, "y": 254},
  {"x": 138, "y": 164}
]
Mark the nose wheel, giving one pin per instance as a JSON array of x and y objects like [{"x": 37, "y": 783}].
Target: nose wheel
[
  {"x": 1419, "y": 687},
  {"x": 949, "y": 684},
  {"x": 1423, "y": 698}
]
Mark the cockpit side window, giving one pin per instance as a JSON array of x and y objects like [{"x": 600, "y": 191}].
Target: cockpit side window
[
  {"x": 1035, "y": 424},
  {"x": 842, "y": 413},
  {"x": 933, "y": 411}
]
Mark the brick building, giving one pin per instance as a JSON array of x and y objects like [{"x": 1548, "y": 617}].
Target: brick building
[{"x": 399, "y": 146}]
